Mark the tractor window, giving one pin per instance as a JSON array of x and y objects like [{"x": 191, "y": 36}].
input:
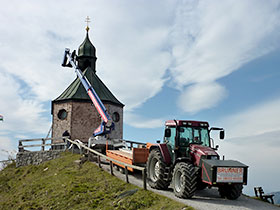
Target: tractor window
[
  {"x": 201, "y": 136},
  {"x": 190, "y": 135},
  {"x": 185, "y": 136},
  {"x": 171, "y": 140},
  {"x": 205, "y": 137},
  {"x": 196, "y": 135}
]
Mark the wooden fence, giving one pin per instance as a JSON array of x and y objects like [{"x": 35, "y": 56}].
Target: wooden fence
[
  {"x": 44, "y": 143},
  {"x": 81, "y": 146}
]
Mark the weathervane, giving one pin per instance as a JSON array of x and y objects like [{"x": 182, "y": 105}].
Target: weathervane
[{"x": 87, "y": 21}]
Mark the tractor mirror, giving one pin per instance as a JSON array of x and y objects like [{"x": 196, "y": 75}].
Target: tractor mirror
[
  {"x": 222, "y": 134},
  {"x": 167, "y": 132}
]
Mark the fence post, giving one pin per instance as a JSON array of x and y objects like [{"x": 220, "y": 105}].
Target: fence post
[
  {"x": 20, "y": 148},
  {"x": 66, "y": 142},
  {"x": 111, "y": 167},
  {"x": 144, "y": 177},
  {"x": 43, "y": 142},
  {"x": 99, "y": 161},
  {"x": 126, "y": 174}
]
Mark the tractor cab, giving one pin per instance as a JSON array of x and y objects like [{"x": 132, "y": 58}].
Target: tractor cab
[{"x": 181, "y": 134}]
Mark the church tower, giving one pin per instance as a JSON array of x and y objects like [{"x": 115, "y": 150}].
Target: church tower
[{"x": 73, "y": 110}]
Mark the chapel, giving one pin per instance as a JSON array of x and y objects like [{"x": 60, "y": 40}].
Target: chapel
[{"x": 73, "y": 111}]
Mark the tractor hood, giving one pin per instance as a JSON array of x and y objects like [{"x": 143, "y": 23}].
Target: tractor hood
[{"x": 199, "y": 151}]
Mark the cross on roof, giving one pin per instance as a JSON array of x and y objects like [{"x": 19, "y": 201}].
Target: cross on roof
[{"x": 87, "y": 21}]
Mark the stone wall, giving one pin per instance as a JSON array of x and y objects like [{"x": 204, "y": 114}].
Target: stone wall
[
  {"x": 35, "y": 158},
  {"x": 85, "y": 119},
  {"x": 60, "y": 126}
]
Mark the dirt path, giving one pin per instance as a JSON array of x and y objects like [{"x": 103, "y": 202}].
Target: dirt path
[{"x": 204, "y": 199}]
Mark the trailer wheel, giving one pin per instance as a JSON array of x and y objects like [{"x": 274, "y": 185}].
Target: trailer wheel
[
  {"x": 231, "y": 192},
  {"x": 155, "y": 171},
  {"x": 116, "y": 167},
  {"x": 184, "y": 180},
  {"x": 122, "y": 170}
]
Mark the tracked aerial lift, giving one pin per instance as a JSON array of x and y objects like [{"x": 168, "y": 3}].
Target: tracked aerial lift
[{"x": 99, "y": 137}]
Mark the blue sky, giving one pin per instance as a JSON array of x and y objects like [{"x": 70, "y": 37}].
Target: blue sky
[{"x": 205, "y": 60}]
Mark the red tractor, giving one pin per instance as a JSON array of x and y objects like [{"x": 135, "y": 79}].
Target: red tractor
[{"x": 188, "y": 160}]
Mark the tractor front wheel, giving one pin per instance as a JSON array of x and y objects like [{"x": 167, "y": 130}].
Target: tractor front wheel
[
  {"x": 184, "y": 180},
  {"x": 231, "y": 192},
  {"x": 156, "y": 171}
]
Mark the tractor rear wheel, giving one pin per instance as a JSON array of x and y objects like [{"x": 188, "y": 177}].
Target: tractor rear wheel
[
  {"x": 184, "y": 180},
  {"x": 156, "y": 171},
  {"x": 231, "y": 192}
]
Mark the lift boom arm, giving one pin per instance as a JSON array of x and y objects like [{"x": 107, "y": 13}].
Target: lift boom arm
[{"x": 107, "y": 124}]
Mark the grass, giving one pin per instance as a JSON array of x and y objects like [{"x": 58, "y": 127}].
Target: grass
[{"x": 62, "y": 184}]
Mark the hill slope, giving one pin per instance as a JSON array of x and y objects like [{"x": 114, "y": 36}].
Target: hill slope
[{"x": 62, "y": 184}]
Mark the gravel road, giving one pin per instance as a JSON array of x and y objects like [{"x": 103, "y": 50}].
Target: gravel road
[{"x": 207, "y": 199}]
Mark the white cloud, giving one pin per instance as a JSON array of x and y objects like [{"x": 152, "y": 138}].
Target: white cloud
[
  {"x": 20, "y": 115},
  {"x": 133, "y": 60},
  {"x": 201, "y": 96},
  {"x": 6, "y": 148},
  {"x": 256, "y": 120},
  {"x": 142, "y": 122},
  {"x": 211, "y": 39}
]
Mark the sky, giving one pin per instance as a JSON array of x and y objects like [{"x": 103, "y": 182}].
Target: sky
[{"x": 210, "y": 60}]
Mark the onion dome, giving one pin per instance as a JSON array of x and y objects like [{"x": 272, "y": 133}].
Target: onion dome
[{"x": 86, "y": 54}]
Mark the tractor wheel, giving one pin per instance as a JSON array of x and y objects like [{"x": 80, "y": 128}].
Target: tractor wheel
[
  {"x": 231, "y": 192},
  {"x": 184, "y": 180},
  {"x": 155, "y": 171}
]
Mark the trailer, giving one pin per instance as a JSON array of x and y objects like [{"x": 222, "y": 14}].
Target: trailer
[{"x": 129, "y": 154}]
